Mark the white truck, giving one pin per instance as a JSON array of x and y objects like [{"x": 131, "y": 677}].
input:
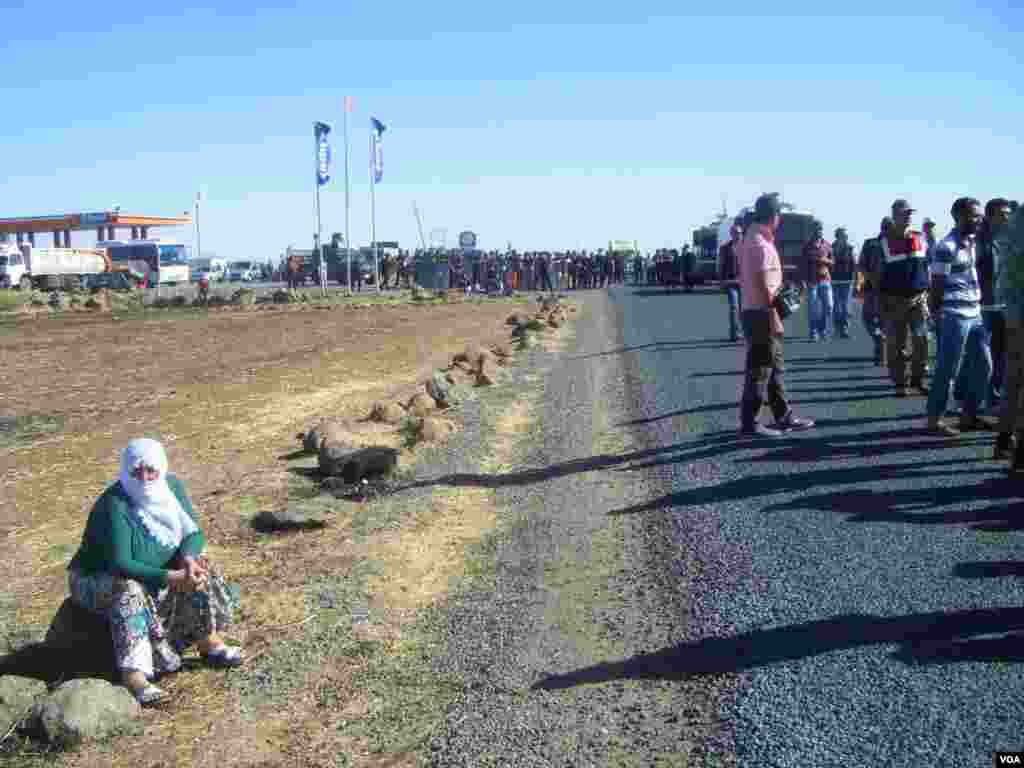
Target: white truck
[{"x": 26, "y": 267}]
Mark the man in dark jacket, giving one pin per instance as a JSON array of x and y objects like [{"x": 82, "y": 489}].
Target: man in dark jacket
[
  {"x": 867, "y": 268},
  {"x": 729, "y": 277},
  {"x": 844, "y": 267}
]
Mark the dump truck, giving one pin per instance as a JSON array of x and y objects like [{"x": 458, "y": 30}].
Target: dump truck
[{"x": 25, "y": 266}]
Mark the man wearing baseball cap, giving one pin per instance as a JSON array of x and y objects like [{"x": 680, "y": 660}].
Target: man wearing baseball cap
[
  {"x": 760, "y": 277},
  {"x": 903, "y": 281}
]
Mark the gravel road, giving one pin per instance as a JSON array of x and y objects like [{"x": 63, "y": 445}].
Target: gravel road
[{"x": 678, "y": 596}]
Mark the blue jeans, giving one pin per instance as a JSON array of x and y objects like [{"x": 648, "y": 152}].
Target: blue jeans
[
  {"x": 820, "y": 309},
  {"x": 733, "y": 294},
  {"x": 842, "y": 293},
  {"x": 996, "y": 361},
  {"x": 961, "y": 342}
]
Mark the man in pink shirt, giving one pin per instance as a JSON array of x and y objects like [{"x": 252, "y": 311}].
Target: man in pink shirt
[{"x": 760, "y": 276}]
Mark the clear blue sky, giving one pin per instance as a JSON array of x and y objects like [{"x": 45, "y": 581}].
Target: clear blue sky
[{"x": 550, "y": 125}]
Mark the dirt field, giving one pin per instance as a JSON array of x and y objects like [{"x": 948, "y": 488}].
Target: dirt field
[{"x": 226, "y": 393}]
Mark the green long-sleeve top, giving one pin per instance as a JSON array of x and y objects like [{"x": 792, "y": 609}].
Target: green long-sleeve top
[{"x": 116, "y": 541}]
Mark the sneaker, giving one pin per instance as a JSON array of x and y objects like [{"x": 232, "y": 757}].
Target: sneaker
[
  {"x": 902, "y": 392},
  {"x": 760, "y": 430},
  {"x": 150, "y": 696},
  {"x": 224, "y": 657},
  {"x": 791, "y": 423},
  {"x": 919, "y": 388},
  {"x": 977, "y": 424},
  {"x": 1004, "y": 447},
  {"x": 942, "y": 429}
]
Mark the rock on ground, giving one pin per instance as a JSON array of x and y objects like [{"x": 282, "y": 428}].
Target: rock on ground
[
  {"x": 286, "y": 520},
  {"x": 333, "y": 456},
  {"x": 431, "y": 429},
  {"x": 80, "y": 711},
  {"x": 324, "y": 431},
  {"x": 475, "y": 355},
  {"x": 75, "y": 629},
  {"x": 421, "y": 404},
  {"x": 502, "y": 350},
  {"x": 18, "y": 695},
  {"x": 372, "y": 462},
  {"x": 488, "y": 375},
  {"x": 387, "y": 413},
  {"x": 442, "y": 390}
]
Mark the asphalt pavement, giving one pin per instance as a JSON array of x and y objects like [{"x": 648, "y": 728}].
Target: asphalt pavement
[
  {"x": 862, "y": 580},
  {"x": 847, "y": 596}
]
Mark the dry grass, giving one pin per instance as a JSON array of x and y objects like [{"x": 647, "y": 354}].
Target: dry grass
[{"x": 226, "y": 434}]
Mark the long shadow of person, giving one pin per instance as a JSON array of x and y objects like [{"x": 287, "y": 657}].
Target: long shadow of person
[{"x": 921, "y": 635}]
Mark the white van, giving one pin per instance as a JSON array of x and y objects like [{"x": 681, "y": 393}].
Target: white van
[{"x": 244, "y": 271}]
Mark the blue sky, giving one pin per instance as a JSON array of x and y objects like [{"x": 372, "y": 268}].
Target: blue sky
[{"x": 550, "y": 125}]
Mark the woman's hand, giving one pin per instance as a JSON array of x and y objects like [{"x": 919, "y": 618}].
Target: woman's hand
[
  {"x": 178, "y": 581},
  {"x": 196, "y": 572}
]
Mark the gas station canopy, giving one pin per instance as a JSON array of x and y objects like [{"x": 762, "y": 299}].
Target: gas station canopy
[{"x": 105, "y": 223}]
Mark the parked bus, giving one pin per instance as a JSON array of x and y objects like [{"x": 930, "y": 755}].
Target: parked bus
[{"x": 163, "y": 262}]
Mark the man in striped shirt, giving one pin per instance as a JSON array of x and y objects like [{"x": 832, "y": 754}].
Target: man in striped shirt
[{"x": 955, "y": 298}]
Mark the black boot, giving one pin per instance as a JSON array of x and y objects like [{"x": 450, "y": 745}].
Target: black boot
[
  {"x": 1017, "y": 465},
  {"x": 1004, "y": 446}
]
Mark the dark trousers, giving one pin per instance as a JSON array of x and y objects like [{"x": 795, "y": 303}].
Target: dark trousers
[{"x": 764, "y": 380}]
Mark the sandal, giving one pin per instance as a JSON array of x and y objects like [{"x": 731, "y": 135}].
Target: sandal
[
  {"x": 224, "y": 657},
  {"x": 150, "y": 696}
]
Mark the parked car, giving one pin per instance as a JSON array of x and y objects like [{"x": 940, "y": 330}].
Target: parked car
[{"x": 244, "y": 271}]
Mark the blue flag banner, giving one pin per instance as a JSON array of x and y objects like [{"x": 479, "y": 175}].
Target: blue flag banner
[
  {"x": 323, "y": 169},
  {"x": 377, "y": 154}
]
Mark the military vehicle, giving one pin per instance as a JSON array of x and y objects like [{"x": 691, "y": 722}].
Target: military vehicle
[{"x": 794, "y": 232}]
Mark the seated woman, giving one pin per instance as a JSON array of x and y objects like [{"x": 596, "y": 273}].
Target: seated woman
[{"x": 140, "y": 566}]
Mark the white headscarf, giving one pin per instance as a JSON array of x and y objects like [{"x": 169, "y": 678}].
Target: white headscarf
[{"x": 154, "y": 502}]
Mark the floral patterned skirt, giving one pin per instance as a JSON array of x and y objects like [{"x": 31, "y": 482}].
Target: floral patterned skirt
[{"x": 150, "y": 630}]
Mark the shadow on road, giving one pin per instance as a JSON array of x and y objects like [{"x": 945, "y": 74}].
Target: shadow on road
[
  {"x": 540, "y": 474},
  {"x": 735, "y": 407},
  {"x": 910, "y": 505},
  {"x": 662, "y": 346},
  {"x": 845, "y": 500},
  {"x": 924, "y": 638}
]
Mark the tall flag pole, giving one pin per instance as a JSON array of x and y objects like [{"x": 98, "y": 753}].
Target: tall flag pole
[
  {"x": 348, "y": 241},
  {"x": 376, "y": 174},
  {"x": 323, "y": 175}
]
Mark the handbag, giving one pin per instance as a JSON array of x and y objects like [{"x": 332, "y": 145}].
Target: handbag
[{"x": 787, "y": 301}]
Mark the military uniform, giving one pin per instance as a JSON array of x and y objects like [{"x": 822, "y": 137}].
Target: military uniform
[{"x": 903, "y": 279}]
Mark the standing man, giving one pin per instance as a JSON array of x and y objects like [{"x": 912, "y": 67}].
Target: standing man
[
  {"x": 844, "y": 266},
  {"x": 728, "y": 276},
  {"x": 903, "y": 282},
  {"x": 956, "y": 299},
  {"x": 997, "y": 215},
  {"x": 544, "y": 278},
  {"x": 929, "y": 236},
  {"x": 868, "y": 269},
  {"x": 1010, "y": 291},
  {"x": 760, "y": 274},
  {"x": 818, "y": 263}
]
